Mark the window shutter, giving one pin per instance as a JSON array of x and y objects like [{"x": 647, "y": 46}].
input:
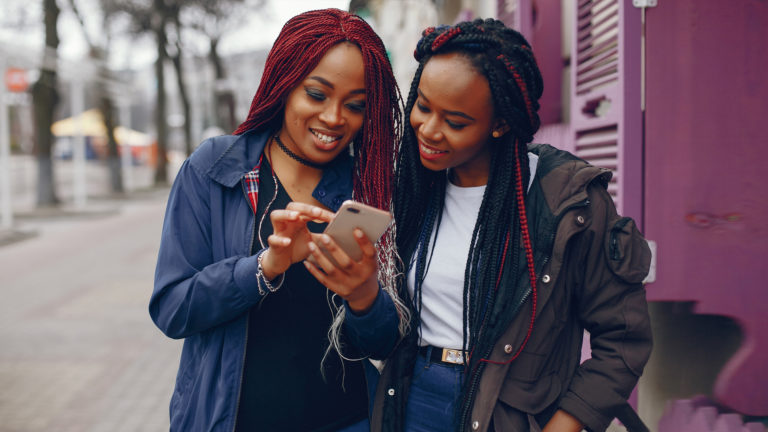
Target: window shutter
[{"x": 606, "y": 116}]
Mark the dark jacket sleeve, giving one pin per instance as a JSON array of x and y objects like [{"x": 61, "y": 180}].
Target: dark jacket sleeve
[
  {"x": 193, "y": 293},
  {"x": 375, "y": 332},
  {"x": 613, "y": 309}
]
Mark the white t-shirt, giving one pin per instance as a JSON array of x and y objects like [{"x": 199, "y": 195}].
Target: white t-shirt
[{"x": 441, "y": 293}]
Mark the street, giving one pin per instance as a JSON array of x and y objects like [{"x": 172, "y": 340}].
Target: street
[{"x": 79, "y": 350}]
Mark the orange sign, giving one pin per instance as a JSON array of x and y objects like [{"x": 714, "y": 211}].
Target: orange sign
[{"x": 16, "y": 80}]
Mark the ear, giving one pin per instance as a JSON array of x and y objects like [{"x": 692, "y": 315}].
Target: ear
[{"x": 500, "y": 127}]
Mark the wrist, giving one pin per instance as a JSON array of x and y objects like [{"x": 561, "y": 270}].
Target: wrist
[
  {"x": 364, "y": 297},
  {"x": 268, "y": 269},
  {"x": 265, "y": 283}
]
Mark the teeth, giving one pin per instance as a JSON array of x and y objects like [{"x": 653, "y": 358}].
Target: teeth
[
  {"x": 325, "y": 138},
  {"x": 425, "y": 149}
]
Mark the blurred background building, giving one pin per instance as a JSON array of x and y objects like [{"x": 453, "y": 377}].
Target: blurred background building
[{"x": 669, "y": 94}]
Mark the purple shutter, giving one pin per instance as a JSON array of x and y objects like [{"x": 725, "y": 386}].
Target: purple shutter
[{"x": 606, "y": 116}]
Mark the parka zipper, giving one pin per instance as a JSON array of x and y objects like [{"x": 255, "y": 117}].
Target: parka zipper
[
  {"x": 467, "y": 408},
  {"x": 248, "y": 314}
]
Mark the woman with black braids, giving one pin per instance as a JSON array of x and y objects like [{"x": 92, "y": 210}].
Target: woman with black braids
[
  {"x": 262, "y": 343},
  {"x": 509, "y": 252}
]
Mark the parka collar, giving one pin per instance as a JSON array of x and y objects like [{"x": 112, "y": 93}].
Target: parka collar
[{"x": 564, "y": 177}]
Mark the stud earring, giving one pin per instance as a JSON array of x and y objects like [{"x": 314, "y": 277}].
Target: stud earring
[{"x": 496, "y": 134}]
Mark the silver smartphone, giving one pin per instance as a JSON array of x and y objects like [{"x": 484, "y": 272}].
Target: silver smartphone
[{"x": 352, "y": 214}]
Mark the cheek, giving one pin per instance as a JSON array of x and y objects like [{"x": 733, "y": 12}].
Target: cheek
[
  {"x": 356, "y": 123},
  {"x": 415, "y": 120}
]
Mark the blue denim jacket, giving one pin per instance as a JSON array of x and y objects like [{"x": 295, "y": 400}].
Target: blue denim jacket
[{"x": 205, "y": 280}]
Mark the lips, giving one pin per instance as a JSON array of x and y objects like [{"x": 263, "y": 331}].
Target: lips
[
  {"x": 429, "y": 152},
  {"x": 325, "y": 141}
]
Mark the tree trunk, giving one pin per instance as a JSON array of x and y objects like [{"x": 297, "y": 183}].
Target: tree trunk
[
  {"x": 113, "y": 153},
  {"x": 224, "y": 98},
  {"x": 45, "y": 97},
  {"x": 161, "y": 169},
  {"x": 185, "y": 105}
]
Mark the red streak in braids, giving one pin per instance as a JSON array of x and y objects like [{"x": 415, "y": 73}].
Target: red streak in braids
[
  {"x": 528, "y": 253},
  {"x": 521, "y": 84},
  {"x": 445, "y": 37},
  {"x": 299, "y": 47}
]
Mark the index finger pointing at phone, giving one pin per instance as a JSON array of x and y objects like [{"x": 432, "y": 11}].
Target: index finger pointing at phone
[{"x": 312, "y": 212}]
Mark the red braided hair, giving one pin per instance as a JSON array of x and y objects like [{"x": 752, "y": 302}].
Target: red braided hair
[
  {"x": 299, "y": 47},
  {"x": 521, "y": 85}
]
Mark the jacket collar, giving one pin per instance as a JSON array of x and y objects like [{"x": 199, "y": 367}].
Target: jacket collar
[
  {"x": 243, "y": 153},
  {"x": 239, "y": 157}
]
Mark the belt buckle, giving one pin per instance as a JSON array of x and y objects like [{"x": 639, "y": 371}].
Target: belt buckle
[{"x": 453, "y": 356}]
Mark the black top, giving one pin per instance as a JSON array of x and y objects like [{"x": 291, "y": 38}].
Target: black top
[{"x": 283, "y": 388}]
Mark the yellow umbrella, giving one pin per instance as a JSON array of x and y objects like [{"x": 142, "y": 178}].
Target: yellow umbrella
[{"x": 91, "y": 123}]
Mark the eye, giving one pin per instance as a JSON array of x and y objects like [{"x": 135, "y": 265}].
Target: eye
[
  {"x": 421, "y": 107},
  {"x": 455, "y": 126},
  {"x": 314, "y": 94},
  {"x": 357, "y": 107}
]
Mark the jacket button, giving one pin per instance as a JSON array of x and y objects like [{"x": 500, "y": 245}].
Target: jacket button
[
  {"x": 391, "y": 392},
  {"x": 580, "y": 220},
  {"x": 475, "y": 425},
  {"x": 508, "y": 349},
  {"x": 321, "y": 193},
  {"x": 546, "y": 278}
]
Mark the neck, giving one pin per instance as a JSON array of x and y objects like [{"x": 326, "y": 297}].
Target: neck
[
  {"x": 298, "y": 179},
  {"x": 468, "y": 177},
  {"x": 288, "y": 152}
]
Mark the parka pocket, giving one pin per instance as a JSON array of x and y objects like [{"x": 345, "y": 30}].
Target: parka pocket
[
  {"x": 530, "y": 397},
  {"x": 627, "y": 252}
]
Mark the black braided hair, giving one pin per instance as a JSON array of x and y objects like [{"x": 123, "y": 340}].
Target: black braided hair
[{"x": 505, "y": 58}]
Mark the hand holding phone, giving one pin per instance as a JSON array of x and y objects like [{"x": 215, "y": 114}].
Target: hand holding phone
[{"x": 352, "y": 214}]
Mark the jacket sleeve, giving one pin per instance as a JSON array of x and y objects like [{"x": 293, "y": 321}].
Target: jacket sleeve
[
  {"x": 613, "y": 309},
  {"x": 375, "y": 332},
  {"x": 192, "y": 293}
]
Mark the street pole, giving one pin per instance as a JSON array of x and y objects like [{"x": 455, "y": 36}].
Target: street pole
[
  {"x": 6, "y": 209},
  {"x": 78, "y": 145}
]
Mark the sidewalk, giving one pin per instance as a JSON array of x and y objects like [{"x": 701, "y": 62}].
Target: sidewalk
[{"x": 79, "y": 350}]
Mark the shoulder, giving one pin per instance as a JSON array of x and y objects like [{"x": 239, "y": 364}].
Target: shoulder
[
  {"x": 564, "y": 176},
  {"x": 226, "y": 158},
  {"x": 552, "y": 159},
  {"x": 210, "y": 150}
]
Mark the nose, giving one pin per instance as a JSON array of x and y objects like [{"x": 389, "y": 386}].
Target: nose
[
  {"x": 332, "y": 115},
  {"x": 430, "y": 129}
]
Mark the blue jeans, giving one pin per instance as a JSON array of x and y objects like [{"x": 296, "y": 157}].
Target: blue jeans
[{"x": 435, "y": 391}]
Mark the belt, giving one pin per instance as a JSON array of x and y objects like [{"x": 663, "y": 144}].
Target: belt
[{"x": 442, "y": 355}]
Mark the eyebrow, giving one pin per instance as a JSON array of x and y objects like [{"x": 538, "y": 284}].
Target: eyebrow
[
  {"x": 327, "y": 83},
  {"x": 454, "y": 113}
]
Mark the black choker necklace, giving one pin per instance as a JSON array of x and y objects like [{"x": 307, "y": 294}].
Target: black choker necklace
[{"x": 294, "y": 156}]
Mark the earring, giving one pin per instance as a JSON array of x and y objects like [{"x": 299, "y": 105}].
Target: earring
[{"x": 496, "y": 134}]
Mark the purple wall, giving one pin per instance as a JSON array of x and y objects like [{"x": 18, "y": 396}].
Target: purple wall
[{"x": 706, "y": 196}]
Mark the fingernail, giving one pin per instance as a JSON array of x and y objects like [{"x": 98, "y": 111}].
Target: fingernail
[
  {"x": 358, "y": 233},
  {"x": 326, "y": 239},
  {"x": 312, "y": 246}
]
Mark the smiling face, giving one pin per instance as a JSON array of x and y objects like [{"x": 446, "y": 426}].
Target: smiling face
[
  {"x": 453, "y": 119},
  {"x": 325, "y": 111}
]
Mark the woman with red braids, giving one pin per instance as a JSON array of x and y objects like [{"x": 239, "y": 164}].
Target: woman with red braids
[
  {"x": 510, "y": 251},
  {"x": 262, "y": 337}
]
